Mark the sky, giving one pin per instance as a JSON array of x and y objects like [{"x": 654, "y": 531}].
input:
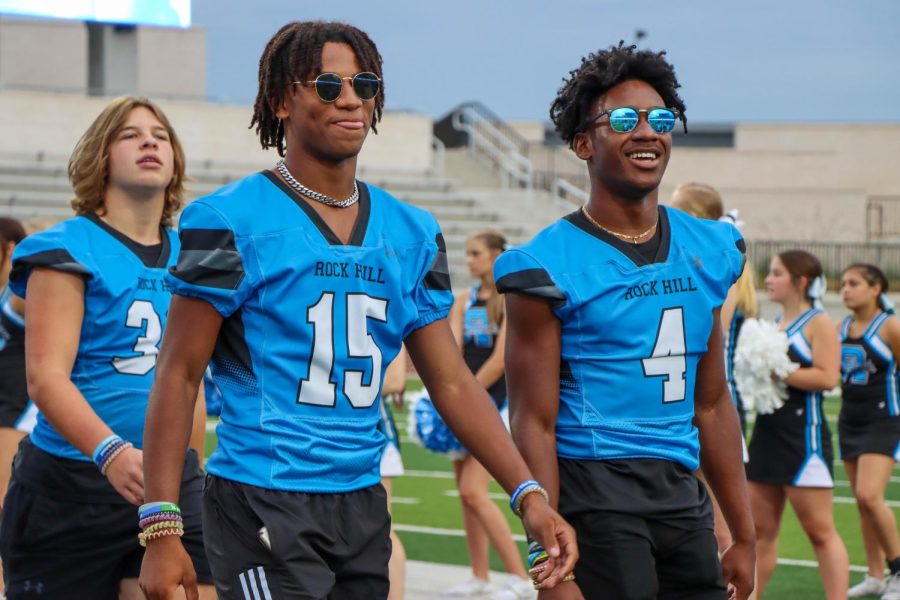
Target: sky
[{"x": 786, "y": 60}]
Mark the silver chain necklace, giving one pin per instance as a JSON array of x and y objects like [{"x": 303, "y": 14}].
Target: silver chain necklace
[{"x": 305, "y": 191}]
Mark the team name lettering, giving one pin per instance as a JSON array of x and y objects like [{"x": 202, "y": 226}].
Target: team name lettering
[
  {"x": 153, "y": 285},
  {"x": 346, "y": 270},
  {"x": 665, "y": 287}
]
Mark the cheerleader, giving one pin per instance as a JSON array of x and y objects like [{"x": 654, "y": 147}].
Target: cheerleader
[
  {"x": 479, "y": 327},
  {"x": 790, "y": 452},
  {"x": 869, "y": 423},
  {"x": 704, "y": 202}
]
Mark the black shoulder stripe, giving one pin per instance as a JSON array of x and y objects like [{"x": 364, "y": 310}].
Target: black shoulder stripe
[
  {"x": 438, "y": 277},
  {"x": 58, "y": 259},
  {"x": 741, "y": 245},
  {"x": 534, "y": 282},
  {"x": 209, "y": 258}
]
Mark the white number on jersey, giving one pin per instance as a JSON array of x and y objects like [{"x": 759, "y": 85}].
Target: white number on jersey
[
  {"x": 317, "y": 388},
  {"x": 667, "y": 359},
  {"x": 139, "y": 313}
]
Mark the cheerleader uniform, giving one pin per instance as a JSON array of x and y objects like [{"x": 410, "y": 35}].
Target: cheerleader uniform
[
  {"x": 734, "y": 330},
  {"x": 870, "y": 412},
  {"x": 479, "y": 337},
  {"x": 792, "y": 446}
]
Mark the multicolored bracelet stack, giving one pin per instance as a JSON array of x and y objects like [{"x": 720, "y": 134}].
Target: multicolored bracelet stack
[
  {"x": 159, "y": 519},
  {"x": 537, "y": 562},
  {"x": 108, "y": 450},
  {"x": 529, "y": 486}
]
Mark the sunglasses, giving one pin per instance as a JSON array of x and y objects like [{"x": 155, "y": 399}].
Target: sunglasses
[
  {"x": 330, "y": 85},
  {"x": 624, "y": 119}
]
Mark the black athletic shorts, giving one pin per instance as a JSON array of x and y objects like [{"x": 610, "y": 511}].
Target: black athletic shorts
[
  {"x": 645, "y": 530},
  {"x": 13, "y": 386},
  {"x": 274, "y": 544},
  {"x": 65, "y": 532}
]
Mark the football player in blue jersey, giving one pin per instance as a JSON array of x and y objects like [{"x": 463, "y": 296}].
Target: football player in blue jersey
[
  {"x": 869, "y": 423},
  {"x": 298, "y": 285},
  {"x": 614, "y": 352},
  {"x": 96, "y": 305}
]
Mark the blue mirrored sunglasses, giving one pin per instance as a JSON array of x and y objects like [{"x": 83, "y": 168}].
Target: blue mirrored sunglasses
[{"x": 624, "y": 119}]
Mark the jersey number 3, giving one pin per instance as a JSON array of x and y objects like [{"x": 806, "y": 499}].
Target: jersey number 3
[
  {"x": 667, "y": 359},
  {"x": 318, "y": 388},
  {"x": 147, "y": 345}
]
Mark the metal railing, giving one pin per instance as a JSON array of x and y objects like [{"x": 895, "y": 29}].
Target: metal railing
[
  {"x": 491, "y": 139},
  {"x": 834, "y": 256}
]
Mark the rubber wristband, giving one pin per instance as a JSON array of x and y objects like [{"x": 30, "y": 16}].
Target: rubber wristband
[
  {"x": 513, "y": 498},
  {"x": 520, "y": 500},
  {"x": 102, "y": 445}
]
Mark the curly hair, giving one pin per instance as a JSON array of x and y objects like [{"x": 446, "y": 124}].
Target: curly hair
[
  {"x": 295, "y": 54},
  {"x": 89, "y": 164},
  {"x": 604, "y": 69}
]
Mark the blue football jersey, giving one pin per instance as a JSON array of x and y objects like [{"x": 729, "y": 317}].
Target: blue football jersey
[
  {"x": 310, "y": 324},
  {"x": 632, "y": 330},
  {"x": 126, "y": 300}
]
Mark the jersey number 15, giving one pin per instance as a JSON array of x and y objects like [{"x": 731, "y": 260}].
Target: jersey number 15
[{"x": 318, "y": 388}]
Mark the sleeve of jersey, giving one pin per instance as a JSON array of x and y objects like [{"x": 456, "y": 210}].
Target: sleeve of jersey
[
  {"x": 433, "y": 294},
  {"x": 210, "y": 266},
  {"x": 51, "y": 249},
  {"x": 518, "y": 272}
]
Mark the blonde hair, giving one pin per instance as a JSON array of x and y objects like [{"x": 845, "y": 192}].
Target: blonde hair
[
  {"x": 699, "y": 200},
  {"x": 493, "y": 240},
  {"x": 89, "y": 163},
  {"x": 745, "y": 291},
  {"x": 704, "y": 202}
]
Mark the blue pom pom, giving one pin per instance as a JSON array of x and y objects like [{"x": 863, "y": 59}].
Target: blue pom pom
[{"x": 428, "y": 429}]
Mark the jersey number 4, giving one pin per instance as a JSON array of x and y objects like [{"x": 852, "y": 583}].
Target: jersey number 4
[
  {"x": 667, "y": 359},
  {"x": 318, "y": 388}
]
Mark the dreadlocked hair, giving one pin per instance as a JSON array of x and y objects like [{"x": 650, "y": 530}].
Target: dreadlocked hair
[
  {"x": 605, "y": 69},
  {"x": 295, "y": 54}
]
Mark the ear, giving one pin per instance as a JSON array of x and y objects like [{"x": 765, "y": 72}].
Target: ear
[
  {"x": 583, "y": 146},
  {"x": 281, "y": 111}
]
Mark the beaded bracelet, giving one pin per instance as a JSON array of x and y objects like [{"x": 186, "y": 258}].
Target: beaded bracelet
[
  {"x": 157, "y": 518},
  {"x": 518, "y": 497},
  {"x": 108, "y": 460},
  {"x": 105, "y": 448}
]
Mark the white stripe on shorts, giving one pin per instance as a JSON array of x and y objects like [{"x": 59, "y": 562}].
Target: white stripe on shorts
[{"x": 263, "y": 583}]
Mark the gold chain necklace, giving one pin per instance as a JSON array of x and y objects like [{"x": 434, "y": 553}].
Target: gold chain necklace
[{"x": 625, "y": 236}]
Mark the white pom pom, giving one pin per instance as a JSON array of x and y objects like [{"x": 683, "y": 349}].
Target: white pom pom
[{"x": 760, "y": 364}]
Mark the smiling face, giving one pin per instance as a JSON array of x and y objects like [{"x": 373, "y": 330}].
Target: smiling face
[
  {"x": 629, "y": 165},
  {"x": 856, "y": 292},
  {"x": 141, "y": 154},
  {"x": 332, "y": 131}
]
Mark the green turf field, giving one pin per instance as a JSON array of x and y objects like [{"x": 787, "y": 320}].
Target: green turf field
[{"x": 427, "y": 516}]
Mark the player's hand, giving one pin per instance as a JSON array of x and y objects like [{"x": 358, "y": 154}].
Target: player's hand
[
  {"x": 564, "y": 591},
  {"x": 738, "y": 569},
  {"x": 556, "y": 536},
  {"x": 126, "y": 474},
  {"x": 166, "y": 566}
]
